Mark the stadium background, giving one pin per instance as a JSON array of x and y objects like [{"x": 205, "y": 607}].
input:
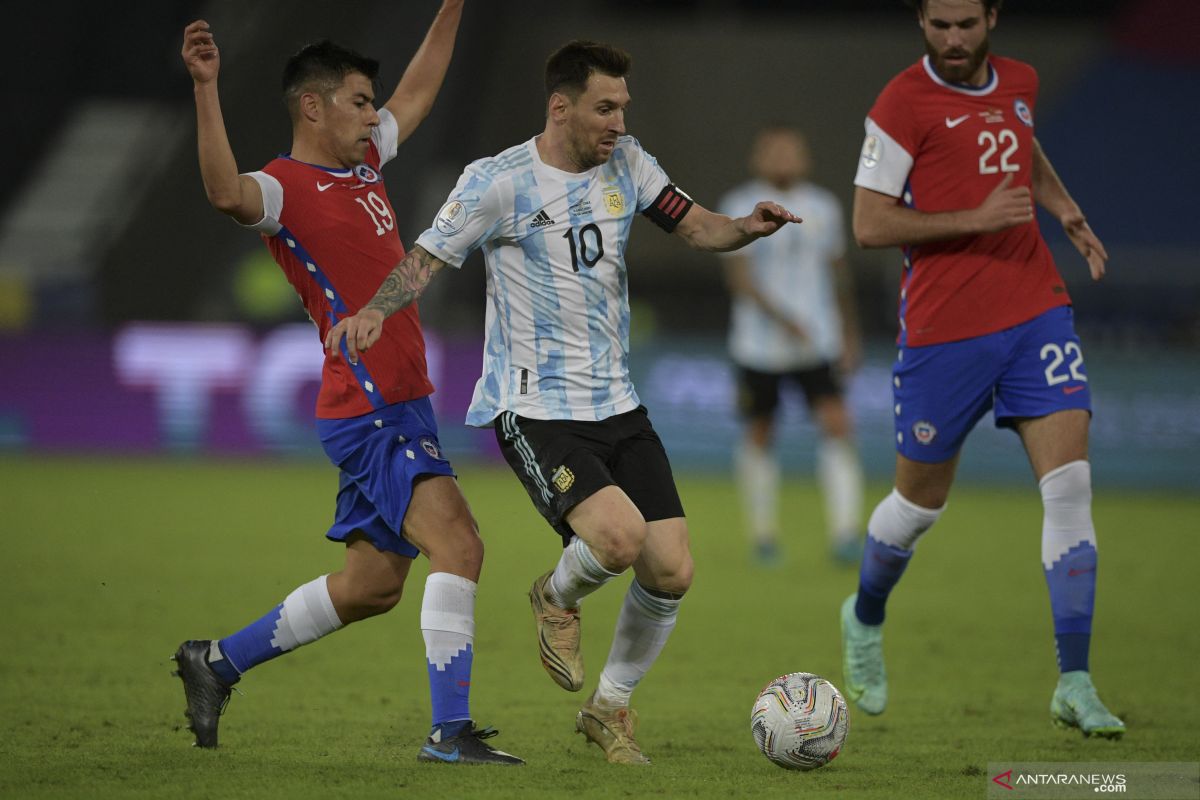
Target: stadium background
[{"x": 104, "y": 227}]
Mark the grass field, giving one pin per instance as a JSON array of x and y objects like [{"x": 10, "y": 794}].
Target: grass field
[{"x": 108, "y": 564}]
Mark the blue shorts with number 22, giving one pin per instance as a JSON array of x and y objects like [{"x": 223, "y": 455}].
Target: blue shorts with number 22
[{"x": 942, "y": 390}]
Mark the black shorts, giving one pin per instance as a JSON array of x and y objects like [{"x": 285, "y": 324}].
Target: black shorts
[
  {"x": 561, "y": 463},
  {"x": 758, "y": 392}
]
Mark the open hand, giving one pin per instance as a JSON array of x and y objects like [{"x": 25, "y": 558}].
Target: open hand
[{"x": 360, "y": 330}]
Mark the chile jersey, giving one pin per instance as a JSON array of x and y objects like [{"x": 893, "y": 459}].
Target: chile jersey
[
  {"x": 334, "y": 234},
  {"x": 941, "y": 146},
  {"x": 557, "y": 325}
]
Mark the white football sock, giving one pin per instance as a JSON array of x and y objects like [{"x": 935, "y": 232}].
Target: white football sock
[
  {"x": 307, "y": 615},
  {"x": 757, "y": 472},
  {"x": 576, "y": 575},
  {"x": 447, "y": 616},
  {"x": 840, "y": 476},
  {"x": 643, "y": 626}
]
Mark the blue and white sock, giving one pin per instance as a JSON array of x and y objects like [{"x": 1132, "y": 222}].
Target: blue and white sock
[
  {"x": 892, "y": 532},
  {"x": 1069, "y": 560},
  {"x": 448, "y": 625},
  {"x": 304, "y": 616}
]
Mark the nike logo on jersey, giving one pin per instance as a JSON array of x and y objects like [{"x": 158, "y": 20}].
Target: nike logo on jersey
[
  {"x": 323, "y": 186},
  {"x": 952, "y": 123}
]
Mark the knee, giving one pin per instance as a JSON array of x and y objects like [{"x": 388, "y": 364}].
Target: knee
[
  {"x": 618, "y": 543},
  {"x": 370, "y": 598},
  {"x": 677, "y": 579},
  {"x": 458, "y": 549}
]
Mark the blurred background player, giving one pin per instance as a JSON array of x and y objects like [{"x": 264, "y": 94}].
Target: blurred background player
[
  {"x": 794, "y": 322},
  {"x": 949, "y": 171},
  {"x": 325, "y": 216},
  {"x": 552, "y": 216}
]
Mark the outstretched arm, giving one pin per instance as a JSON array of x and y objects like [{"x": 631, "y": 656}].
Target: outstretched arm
[
  {"x": 414, "y": 95},
  {"x": 1052, "y": 194},
  {"x": 237, "y": 195},
  {"x": 403, "y": 285},
  {"x": 706, "y": 230}
]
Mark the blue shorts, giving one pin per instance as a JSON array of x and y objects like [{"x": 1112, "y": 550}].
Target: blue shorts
[
  {"x": 942, "y": 390},
  {"x": 380, "y": 455}
]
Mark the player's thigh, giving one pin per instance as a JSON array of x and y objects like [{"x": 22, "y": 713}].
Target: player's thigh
[
  {"x": 823, "y": 392},
  {"x": 611, "y": 525},
  {"x": 439, "y": 517},
  {"x": 1055, "y": 439},
  {"x": 939, "y": 392},
  {"x": 641, "y": 468},
  {"x": 561, "y": 463},
  {"x": 666, "y": 559}
]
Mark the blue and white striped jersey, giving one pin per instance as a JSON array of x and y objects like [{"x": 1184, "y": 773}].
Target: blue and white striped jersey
[
  {"x": 795, "y": 269},
  {"x": 557, "y": 325}
]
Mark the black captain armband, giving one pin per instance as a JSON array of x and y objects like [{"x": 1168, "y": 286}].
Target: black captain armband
[{"x": 669, "y": 207}]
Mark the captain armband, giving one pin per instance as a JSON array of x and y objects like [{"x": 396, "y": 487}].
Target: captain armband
[{"x": 668, "y": 208}]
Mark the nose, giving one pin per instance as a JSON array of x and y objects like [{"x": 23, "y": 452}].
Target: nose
[
  {"x": 374, "y": 119},
  {"x": 618, "y": 122}
]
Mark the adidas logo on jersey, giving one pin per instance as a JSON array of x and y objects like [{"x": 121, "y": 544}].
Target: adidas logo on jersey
[{"x": 541, "y": 220}]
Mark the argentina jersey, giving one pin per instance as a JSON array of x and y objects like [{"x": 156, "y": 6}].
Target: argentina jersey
[{"x": 556, "y": 343}]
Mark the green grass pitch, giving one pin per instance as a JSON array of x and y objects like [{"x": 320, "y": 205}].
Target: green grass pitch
[{"x": 108, "y": 564}]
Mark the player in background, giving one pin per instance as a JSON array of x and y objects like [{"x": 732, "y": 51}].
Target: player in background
[
  {"x": 324, "y": 214},
  {"x": 794, "y": 321},
  {"x": 553, "y": 216},
  {"x": 949, "y": 171}
]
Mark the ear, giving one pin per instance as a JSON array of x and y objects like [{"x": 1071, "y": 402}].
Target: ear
[
  {"x": 557, "y": 107},
  {"x": 311, "y": 106},
  {"x": 991, "y": 19}
]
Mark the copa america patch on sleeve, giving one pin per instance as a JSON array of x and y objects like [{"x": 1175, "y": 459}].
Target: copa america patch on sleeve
[{"x": 451, "y": 219}]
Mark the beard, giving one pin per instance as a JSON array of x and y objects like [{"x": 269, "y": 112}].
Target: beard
[{"x": 957, "y": 73}]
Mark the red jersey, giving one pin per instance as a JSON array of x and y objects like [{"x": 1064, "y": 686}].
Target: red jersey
[
  {"x": 334, "y": 234},
  {"x": 942, "y": 146}
]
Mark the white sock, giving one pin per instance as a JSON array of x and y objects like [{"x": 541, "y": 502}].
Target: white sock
[
  {"x": 576, "y": 575},
  {"x": 900, "y": 522},
  {"x": 307, "y": 615},
  {"x": 840, "y": 475},
  {"x": 447, "y": 616},
  {"x": 1067, "y": 510},
  {"x": 757, "y": 472},
  {"x": 643, "y": 626}
]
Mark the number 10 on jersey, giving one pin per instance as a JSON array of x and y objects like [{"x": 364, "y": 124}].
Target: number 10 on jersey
[{"x": 587, "y": 246}]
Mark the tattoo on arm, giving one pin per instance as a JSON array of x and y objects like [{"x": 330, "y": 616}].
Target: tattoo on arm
[{"x": 405, "y": 283}]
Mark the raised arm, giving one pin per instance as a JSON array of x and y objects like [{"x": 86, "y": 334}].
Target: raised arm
[
  {"x": 1052, "y": 195},
  {"x": 414, "y": 95},
  {"x": 880, "y": 220},
  {"x": 403, "y": 285},
  {"x": 228, "y": 192},
  {"x": 706, "y": 230}
]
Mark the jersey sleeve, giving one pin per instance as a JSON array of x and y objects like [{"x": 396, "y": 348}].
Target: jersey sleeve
[
  {"x": 386, "y": 136},
  {"x": 659, "y": 200},
  {"x": 272, "y": 197},
  {"x": 472, "y": 214},
  {"x": 892, "y": 137}
]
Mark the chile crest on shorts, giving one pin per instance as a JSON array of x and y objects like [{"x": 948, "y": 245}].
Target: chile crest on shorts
[{"x": 924, "y": 431}]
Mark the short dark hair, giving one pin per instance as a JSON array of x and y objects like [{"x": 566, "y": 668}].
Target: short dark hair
[
  {"x": 321, "y": 67},
  {"x": 570, "y": 66},
  {"x": 988, "y": 5}
]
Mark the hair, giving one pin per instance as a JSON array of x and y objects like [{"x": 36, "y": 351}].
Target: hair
[
  {"x": 321, "y": 68},
  {"x": 988, "y": 5},
  {"x": 570, "y": 66}
]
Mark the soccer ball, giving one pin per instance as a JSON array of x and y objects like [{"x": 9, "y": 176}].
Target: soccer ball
[{"x": 799, "y": 721}]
